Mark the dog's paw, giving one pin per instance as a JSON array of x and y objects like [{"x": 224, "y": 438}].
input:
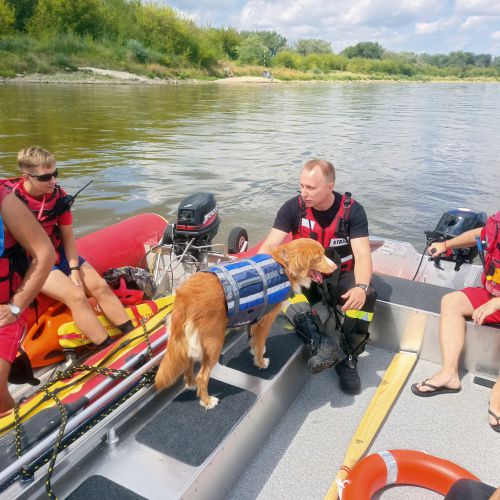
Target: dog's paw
[
  {"x": 212, "y": 402},
  {"x": 191, "y": 387},
  {"x": 262, "y": 364}
]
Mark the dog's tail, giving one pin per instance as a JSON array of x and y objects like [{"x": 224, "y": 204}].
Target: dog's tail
[{"x": 175, "y": 361}]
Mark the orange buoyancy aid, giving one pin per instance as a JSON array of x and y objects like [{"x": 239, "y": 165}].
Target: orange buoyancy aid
[
  {"x": 46, "y": 211},
  {"x": 491, "y": 237},
  {"x": 335, "y": 236},
  {"x": 14, "y": 262}
]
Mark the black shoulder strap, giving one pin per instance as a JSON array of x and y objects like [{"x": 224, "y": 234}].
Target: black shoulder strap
[
  {"x": 343, "y": 224},
  {"x": 302, "y": 212}
]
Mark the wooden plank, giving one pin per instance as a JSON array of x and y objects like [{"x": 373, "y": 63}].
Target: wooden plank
[{"x": 392, "y": 382}]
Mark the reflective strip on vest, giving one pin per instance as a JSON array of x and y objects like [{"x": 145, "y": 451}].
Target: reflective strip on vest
[
  {"x": 308, "y": 224},
  {"x": 252, "y": 287},
  {"x": 362, "y": 315}
]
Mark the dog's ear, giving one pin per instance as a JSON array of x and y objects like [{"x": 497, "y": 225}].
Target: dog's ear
[
  {"x": 298, "y": 264},
  {"x": 280, "y": 255}
]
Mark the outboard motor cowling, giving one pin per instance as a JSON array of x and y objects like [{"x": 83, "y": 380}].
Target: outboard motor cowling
[
  {"x": 197, "y": 223},
  {"x": 453, "y": 223}
]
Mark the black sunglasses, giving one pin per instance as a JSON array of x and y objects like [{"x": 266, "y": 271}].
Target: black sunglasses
[{"x": 46, "y": 177}]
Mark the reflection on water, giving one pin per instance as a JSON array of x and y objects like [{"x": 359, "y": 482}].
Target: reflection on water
[{"x": 407, "y": 152}]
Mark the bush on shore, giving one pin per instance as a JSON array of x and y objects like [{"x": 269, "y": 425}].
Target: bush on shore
[{"x": 47, "y": 36}]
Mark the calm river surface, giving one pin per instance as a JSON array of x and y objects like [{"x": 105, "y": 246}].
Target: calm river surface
[{"x": 407, "y": 152}]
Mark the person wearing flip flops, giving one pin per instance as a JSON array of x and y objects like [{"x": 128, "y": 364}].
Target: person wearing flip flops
[
  {"x": 21, "y": 278},
  {"x": 482, "y": 304}
]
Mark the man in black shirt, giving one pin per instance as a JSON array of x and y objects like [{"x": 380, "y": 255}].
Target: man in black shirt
[{"x": 339, "y": 223}]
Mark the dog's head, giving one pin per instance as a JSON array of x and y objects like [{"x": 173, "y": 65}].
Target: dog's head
[{"x": 304, "y": 261}]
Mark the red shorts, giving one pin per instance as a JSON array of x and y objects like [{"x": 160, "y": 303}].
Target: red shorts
[
  {"x": 477, "y": 297},
  {"x": 10, "y": 337}
]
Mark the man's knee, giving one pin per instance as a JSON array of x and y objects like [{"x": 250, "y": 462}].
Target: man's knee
[
  {"x": 100, "y": 288},
  {"x": 76, "y": 298},
  {"x": 456, "y": 303}
]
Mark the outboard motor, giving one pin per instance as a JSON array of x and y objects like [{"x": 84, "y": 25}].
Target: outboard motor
[
  {"x": 197, "y": 223},
  {"x": 453, "y": 223}
]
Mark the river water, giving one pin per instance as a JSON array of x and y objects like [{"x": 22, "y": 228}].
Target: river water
[{"x": 407, "y": 152}]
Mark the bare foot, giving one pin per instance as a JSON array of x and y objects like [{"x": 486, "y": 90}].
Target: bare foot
[{"x": 495, "y": 404}]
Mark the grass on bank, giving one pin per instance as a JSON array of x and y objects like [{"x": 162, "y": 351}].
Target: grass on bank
[{"x": 65, "y": 53}]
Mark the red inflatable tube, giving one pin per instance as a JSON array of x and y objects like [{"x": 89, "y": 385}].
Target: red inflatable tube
[{"x": 402, "y": 467}]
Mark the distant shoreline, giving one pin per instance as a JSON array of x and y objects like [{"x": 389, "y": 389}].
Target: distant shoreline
[{"x": 91, "y": 76}]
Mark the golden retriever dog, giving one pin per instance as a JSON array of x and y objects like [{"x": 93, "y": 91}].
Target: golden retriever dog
[{"x": 199, "y": 318}]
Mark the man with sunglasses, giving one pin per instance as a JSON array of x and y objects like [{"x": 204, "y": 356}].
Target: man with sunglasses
[
  {"x": 20, "y": 279},
  {"x": 71, "y": 277},
  {"x": 339, "y": 223}
]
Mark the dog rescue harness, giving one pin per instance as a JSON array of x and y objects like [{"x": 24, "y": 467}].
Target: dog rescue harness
[{"x": 252, "y": 287}]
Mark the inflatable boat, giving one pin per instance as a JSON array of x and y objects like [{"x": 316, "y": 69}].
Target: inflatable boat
[{"x": 105, "y": 431}]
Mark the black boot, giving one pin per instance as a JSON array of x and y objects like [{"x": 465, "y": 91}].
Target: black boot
[
  {"x": 349, "y": 380},
  {"x": 329, "y": 353},
  {"x": 307, "y": 328}
]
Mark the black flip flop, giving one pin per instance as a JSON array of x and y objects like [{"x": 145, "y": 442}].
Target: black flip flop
[
  {"x": 495, "y": 427},
  {"x": 435, "y": 392}
]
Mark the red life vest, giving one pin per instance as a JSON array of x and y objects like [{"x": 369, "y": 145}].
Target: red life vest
[
  {"x": 335, "y": 236},
  {"x": 45, "y": 210},
  {"x": 491, "y": 236},
  {"x": 13, "y": 263}
]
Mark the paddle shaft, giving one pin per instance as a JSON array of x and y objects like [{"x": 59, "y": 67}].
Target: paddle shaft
[{"x": 380, "y": 405}]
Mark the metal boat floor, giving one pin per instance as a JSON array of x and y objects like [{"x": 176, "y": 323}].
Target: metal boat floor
[
  {"x": 172, "y": 447},
  {"x": 304, "y": 452},
  {"x": 100, "y": 487},
  {"x": 198, "y": 432}
]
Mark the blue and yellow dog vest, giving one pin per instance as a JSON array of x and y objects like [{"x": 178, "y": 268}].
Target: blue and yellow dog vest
[{"x": 252, "y": 287}]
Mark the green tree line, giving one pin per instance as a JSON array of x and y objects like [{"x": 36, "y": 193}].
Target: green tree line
[{"x": 49, "y": 35}]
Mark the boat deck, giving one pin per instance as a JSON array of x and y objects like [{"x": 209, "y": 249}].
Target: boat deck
[
  {"x": 304, "y": 452},
  {"x": 282, "y": 432}
]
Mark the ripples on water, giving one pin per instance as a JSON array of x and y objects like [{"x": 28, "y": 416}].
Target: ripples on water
[{"x": 407, "y": 152}]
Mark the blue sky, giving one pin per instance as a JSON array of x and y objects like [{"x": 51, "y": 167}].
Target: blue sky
[{"x": 434, "y": 26}]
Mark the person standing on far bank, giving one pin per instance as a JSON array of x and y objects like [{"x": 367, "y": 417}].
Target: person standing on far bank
[{"x": 339, "y": 223}]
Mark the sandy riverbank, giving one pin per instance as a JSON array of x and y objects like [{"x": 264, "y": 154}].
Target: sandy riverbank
[
  {"x": 247, "y": 79},
  {"x": 89, "y": 75}
]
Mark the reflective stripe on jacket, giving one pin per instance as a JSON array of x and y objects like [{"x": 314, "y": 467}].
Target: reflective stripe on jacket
[{"x": 252, "y": 287}]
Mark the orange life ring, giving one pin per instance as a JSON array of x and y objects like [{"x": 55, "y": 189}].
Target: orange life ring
[{"x": 401, "y": 467}]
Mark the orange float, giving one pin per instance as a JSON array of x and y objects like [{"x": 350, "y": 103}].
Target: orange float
[{"x": 408, "y": 467}]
